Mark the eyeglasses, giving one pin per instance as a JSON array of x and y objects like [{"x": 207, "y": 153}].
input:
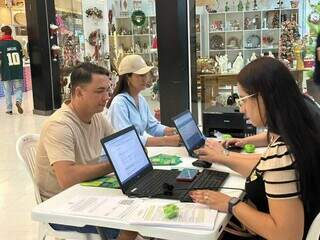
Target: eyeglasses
[{"x": 240, "y": 101}]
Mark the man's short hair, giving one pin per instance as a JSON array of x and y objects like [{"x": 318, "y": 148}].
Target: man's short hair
[
  {"x": 6, "y": 30},
  {"x": 82, "y": 74}
]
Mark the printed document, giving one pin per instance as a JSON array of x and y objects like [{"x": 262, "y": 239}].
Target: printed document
[
  {"x": 190, "y": 215},
  {"x": 140, "y": 211},
  {"x": 99, "y": 206}
]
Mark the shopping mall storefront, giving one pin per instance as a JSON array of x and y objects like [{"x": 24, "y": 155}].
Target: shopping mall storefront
[{"x": 198, "y": 46}]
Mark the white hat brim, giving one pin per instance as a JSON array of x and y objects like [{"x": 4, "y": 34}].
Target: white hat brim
[{"x": 143, "y": 70}]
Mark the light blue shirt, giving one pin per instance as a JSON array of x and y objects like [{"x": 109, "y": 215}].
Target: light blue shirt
[{"x": 123, "y": 113}]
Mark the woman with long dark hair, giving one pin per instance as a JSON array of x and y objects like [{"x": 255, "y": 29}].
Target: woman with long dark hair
[
  {"x": 283, "y": 182},
  {"x": 128, "y": 107}
]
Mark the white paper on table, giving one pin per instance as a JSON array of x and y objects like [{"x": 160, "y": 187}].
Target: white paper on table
[
  {"x": 99, "y": 206},
  {"x": 190, "y": 215}
]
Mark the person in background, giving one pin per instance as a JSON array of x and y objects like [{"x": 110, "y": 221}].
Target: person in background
[
  {"x": 283, "y": 183},
  {"x": 11, "y": 68},
  {"x": 128, "y": 107},
  {"x": 69, "y": 147}
]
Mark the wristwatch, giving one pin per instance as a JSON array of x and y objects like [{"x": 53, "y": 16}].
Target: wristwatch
[{"x": 232, "y": 202}]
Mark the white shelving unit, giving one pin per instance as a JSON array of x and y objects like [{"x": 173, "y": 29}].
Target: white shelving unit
[
  {"x": 135, "y": 40},
  {"x": 251, "y": 31}
]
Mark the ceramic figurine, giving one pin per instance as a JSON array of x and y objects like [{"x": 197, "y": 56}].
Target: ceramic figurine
[
  {"x": 253, "y": 57},
  {"x": 271, "y": 54},
  {"x": 238, "y": 63},
  {"x": 137, "y": 48},
  {"x": 223, "y": 63},
  {"x": 264, "y": 23}
]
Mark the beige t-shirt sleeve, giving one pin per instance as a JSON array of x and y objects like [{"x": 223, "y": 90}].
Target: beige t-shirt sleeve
[{"x": 58, "y": 143}]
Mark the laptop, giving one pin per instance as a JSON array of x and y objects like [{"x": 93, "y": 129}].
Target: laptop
[
  {"x": 137, "y": 178},
  {"x": 134, "y": 169},
  {"x": 189, "y": 132},
  {"x": 192, "y": 137}
]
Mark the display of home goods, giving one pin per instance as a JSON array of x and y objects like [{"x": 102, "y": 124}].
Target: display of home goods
[
  {"x": 216, "y": 42},
  {"x": 207, "y": 65}
]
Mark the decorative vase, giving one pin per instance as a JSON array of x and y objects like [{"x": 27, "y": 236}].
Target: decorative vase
[
  {"x": 240, "y": 6},
  {"x": 298, "y": 57},
  {"x": 227, "y": 8},
  {"x": 294, "y": 4},
  {"x": 247, "y": 5},
  {"x": 255, "y": 5}
]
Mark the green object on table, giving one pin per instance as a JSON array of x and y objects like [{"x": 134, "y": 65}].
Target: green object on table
[
  {"x": 171, "y": 211},
  {"x": 106, "y": 181},
  {"x": 165, "y": 160},
  {"x": 249, "y": 148},
  {"x": 226, "y": 136}
]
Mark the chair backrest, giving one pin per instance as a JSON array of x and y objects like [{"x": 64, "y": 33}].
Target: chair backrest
[
  {"x": 314, "y": 230},
  {"x": 26, "y": 150}
]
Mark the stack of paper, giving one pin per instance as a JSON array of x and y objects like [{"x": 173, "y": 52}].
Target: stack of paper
[
  {"x": 190, "y": 215},
  {"x": 140, "y": 211},
  {"x": 99, "y": 206}
]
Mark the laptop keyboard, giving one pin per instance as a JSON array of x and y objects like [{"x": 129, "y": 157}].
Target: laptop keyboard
[
  {"x": 153, "y": 184},
  {"x": 208, "y": 179}
]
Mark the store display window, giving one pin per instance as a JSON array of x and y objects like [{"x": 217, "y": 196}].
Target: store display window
[
  {"x": 103, "y": 32},
  {"x": 231, "y": 34}
]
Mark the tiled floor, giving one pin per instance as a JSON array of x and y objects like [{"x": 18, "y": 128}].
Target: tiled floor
[{"x": 16, "y": 190}]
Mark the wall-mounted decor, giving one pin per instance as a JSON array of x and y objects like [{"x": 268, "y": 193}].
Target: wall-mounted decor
[
  {"x": 20, "y": 19},
  {"x": 94, "y": 13}
]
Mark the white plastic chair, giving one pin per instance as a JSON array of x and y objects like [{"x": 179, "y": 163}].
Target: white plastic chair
[
  {"x": 314, "y": 230},
  {"x": 26, "y": 151}
]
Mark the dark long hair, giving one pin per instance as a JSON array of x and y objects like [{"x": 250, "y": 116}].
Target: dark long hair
[
  {"x": 316, "y": 74},
  {"x": 121, "y": 87},
  {"x": 288, "y": 115}
]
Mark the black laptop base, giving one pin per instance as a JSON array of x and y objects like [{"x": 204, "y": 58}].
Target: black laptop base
[
  {"x": 169, "y": 188},
  {"x": 151, "y": 185}
]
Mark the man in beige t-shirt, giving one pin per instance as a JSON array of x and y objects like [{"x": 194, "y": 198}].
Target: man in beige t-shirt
[{"x": 69, "y": 148}]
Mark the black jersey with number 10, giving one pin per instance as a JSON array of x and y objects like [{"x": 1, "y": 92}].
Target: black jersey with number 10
[{"x": 11, "y": 67}]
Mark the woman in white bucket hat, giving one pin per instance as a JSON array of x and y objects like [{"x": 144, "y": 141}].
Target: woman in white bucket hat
[{"x": 128, "y": 107}]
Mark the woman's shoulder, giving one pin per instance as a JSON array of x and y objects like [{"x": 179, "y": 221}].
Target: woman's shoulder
[
  {"x": 121, "y": 98},
  {"x": 277, "y": 156}
]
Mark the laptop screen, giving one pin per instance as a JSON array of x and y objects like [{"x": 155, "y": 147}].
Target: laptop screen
[
  {"x": 189, "y": 131},
  {"x": 127, "y": 155}
]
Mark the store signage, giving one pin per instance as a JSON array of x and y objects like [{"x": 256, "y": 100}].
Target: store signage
[{"x": 204, "y": 2}]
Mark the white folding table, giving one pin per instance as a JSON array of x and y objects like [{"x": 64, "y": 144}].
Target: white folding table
[{"x": 44, "y": 212}]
